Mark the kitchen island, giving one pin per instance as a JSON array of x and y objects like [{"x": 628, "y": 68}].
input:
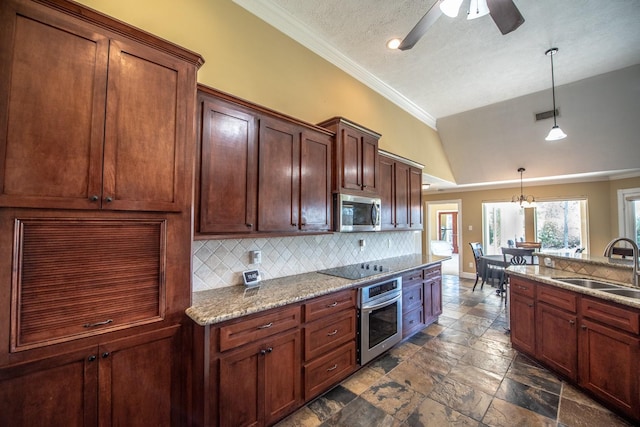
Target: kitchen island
[{"x": 589, "y": 336}]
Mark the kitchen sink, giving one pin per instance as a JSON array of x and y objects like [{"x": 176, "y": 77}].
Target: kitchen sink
[
  {"x": 630, "y": 293},
  {"x": 588, "y": 283}
]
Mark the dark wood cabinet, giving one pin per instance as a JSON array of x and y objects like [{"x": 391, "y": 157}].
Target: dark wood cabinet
[
  {"x": 228, "y": 154},
  {"x": 421, "y": 298},
  {"x": 355, "y": 157},
  {"x": 132, "y": 381},
  {"x": 260, "y": 382},
  {"x": 593, "y": 342},
  {"x": 118, "y": 143},
  {"x": 400, "y": 193},
  {"x": 245, "y": 150}
]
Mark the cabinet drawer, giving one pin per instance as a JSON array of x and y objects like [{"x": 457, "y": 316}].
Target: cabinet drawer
[
  {"x": 411, "y": 277},
  {"x": 247, "y": 330},
  {"x": 329, "y": 304},
  {"x": 432, "y": 273},
  {"x": 412, "y": 297},
  {"x": 560, "y": 298},
  {"x": 412, "y": 321},
  {"x": 326, "y": 334},
  {"x": 611, "y": 314},
  {"x": 522, "y": 287},
  {"x": 329, "y": 369}
]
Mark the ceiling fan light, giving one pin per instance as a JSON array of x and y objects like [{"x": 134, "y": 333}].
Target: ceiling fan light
[
  {"x": 555, "y": 134},
  {"x": 393, "y": 43},
  {"x": 450, "y": 7},
  {"x": 477, "y": 8}
]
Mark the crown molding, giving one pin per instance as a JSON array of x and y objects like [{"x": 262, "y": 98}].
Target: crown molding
[{"x": 287, "y": 24}]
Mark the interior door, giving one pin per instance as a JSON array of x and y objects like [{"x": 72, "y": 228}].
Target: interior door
[{"x": 448, "y": 228}]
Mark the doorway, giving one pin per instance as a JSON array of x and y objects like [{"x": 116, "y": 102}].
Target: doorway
[{"x": 442, "y": 234}]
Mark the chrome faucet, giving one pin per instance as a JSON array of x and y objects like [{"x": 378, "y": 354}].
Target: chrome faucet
[{"x": 608, "y": 252}]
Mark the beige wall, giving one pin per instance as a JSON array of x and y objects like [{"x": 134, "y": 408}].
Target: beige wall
[
  {"x": 601, "y": 200},
  {"x": 250, "y": 59}
]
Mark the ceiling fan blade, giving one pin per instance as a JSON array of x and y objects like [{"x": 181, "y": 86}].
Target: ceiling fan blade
[
  {"x": 505, "y": 14},
  {"x": 421, "y": 27}
]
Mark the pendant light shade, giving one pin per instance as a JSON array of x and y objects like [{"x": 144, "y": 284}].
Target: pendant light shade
[
  {"x": 555, "y": 133},
  {"x": 477, "y": 8},
  {"x": 450, "y": 7}
]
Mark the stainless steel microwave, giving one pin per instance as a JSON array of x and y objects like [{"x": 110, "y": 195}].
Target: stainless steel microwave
[{"x": 356, "y": 213}]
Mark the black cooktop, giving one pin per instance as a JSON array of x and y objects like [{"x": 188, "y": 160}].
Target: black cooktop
[{"x": 357, "y": 271}]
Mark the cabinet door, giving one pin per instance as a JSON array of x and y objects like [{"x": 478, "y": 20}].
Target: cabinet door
[
  {"x": 59, "y": 391},
  {"x": 139, "y": 380},
  {"x": 149, "y": 97},
  {"x": 228, "y": 169},
  {"x": 401, "y": 174},
  {"x": 282, "y": 376},
  {"x": 415, "y": 199},
  {"x": 279, "y": 178},
  {"x": 315, "y": 181},
  {"x": 436, "y": 297},
  {"x": 386, "y": 192},
  {"x": 557, "y": 339},
  {"x": 523, "y": 323},
  {"x": 351, "y": 153},
  {"x": 608, "y": 361},
  {"x": 51, "y": 123},
  {"x": 369, "y": 164}
]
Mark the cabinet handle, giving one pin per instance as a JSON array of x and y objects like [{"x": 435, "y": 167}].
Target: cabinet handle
[
  {"x": 91, "y": 358},
  {"x": 530, "y": 305},
  {"x": 268, "y": 325},
  {"x": 105, "y": 354},
  {"x": 524, "y": 288},
  {"x": 335, "y": 303},
  {"x": 410, "y": 298},
  {"x": 263, "y": 352},
  {"x": 364, "y": 185},
  {"x": 91, "y": 325},
  {"x": 269, "y": 350},
  {"x": 333, "y": 368},
  {"x": 249, "y": 225},
  {"x": 330, "y": 334},
  {"x": 584, "y": 327},
  {"x": 109, "y": 199},
  {"x": 572, "y": 322},
  {"x": 411, "y": 323},
  {"x": 94, "y": 198}
]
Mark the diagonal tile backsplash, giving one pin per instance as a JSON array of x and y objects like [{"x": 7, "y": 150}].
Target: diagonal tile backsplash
[{"x": 220, "y": 263}]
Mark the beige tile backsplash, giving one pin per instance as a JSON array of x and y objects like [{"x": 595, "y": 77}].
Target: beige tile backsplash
[{"x": 220, "y": 263}]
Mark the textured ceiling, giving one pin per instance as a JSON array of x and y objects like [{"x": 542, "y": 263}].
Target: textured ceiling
[{"x": 461, "y": 65}]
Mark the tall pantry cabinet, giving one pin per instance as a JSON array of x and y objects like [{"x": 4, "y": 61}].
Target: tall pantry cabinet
[{"x": 97, "y": 140}]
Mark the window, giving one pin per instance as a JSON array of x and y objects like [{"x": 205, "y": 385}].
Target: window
[
  {"x": 629, "y": 213},
  {"x": 559, "y": 225}
]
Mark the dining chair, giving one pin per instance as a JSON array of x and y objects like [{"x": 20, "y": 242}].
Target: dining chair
[{"x": 476, "y": 247}]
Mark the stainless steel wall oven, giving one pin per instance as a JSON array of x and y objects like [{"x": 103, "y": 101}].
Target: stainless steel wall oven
[{"x": 380, "y": 307}]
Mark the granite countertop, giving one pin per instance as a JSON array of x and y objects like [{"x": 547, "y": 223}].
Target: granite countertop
[
  {"x": 217, "y": 305},
  {"x": 548, "y": 276}
]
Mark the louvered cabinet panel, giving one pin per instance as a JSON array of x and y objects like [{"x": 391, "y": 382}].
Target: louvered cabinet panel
[{"x": 75, "y": 278}]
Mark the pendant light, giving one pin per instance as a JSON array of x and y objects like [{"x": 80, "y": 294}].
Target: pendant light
[
  {"x": 555, "y": 133},
  {"x": 528, "y": 200}
]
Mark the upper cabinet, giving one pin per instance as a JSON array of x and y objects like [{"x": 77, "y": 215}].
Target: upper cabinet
[
  {"x": 356, "y": 157},
  {"x": 400, "y": 193},
  {"x": 260, "y": 171},
  {"x": 105, "y": 126}
]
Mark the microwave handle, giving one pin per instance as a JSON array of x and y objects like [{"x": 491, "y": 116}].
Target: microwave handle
[{"x": 375, "y": 214}]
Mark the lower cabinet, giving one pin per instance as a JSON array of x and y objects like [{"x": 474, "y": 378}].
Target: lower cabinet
[
  {"x": 421, "y": 298},
  {"x": 593, "y": 342},
  {"x": 260, "y": 382},
  {"x": 132, "y": 381}
]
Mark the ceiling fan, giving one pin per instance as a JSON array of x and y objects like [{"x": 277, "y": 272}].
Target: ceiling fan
[{"x": 503, "y": 12}]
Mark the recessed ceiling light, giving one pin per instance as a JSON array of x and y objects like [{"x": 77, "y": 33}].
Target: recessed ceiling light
[{"x": 393, "y": 43}]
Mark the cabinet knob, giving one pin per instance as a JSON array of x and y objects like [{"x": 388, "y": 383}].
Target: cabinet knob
[
  {"x": 584, "y": 327},
  {"x": 249, "y": 225},
  {"x": 94, "y": 198},
  {"x": 269, "y": 350},
  {"x": 91, "y": 358},
  {"x": 263, "y": 352},
  {"x": 530, "y": 305},
  {"x": 572, "y": 322},
  {"x": 410, "y": 298},
  {"x": 105, "y": 354},
  {"x": 294, "y": 224},
  {"x": 108, "y": 199}
]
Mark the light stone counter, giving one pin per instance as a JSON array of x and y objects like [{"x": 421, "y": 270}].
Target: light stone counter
[
  {"x": 217, "y": 305},
  {"x": 615, "y": 271}
]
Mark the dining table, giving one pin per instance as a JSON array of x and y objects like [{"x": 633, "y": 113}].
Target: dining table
[{"x": 492, "y": 266}]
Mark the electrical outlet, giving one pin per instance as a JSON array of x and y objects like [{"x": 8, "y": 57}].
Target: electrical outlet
[
  {"x": 470, "y": 265},
  {"x": 471, "y": 228},
  {"x": 362, "y": 244},
  {"x": 256, "y": 257},
  {"x": 389, "y": 243}
]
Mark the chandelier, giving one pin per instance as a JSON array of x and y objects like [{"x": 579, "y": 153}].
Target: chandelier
[{"x": 527, "y": 200}]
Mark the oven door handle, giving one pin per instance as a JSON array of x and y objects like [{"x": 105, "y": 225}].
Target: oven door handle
[{"x": 382, "y": 304}]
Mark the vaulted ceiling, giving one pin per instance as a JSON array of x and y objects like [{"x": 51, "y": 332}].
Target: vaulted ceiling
[{"x": 481, "y": 89}]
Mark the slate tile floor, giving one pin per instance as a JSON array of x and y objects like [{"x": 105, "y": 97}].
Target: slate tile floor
[{"x": 459, "y": 371}]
